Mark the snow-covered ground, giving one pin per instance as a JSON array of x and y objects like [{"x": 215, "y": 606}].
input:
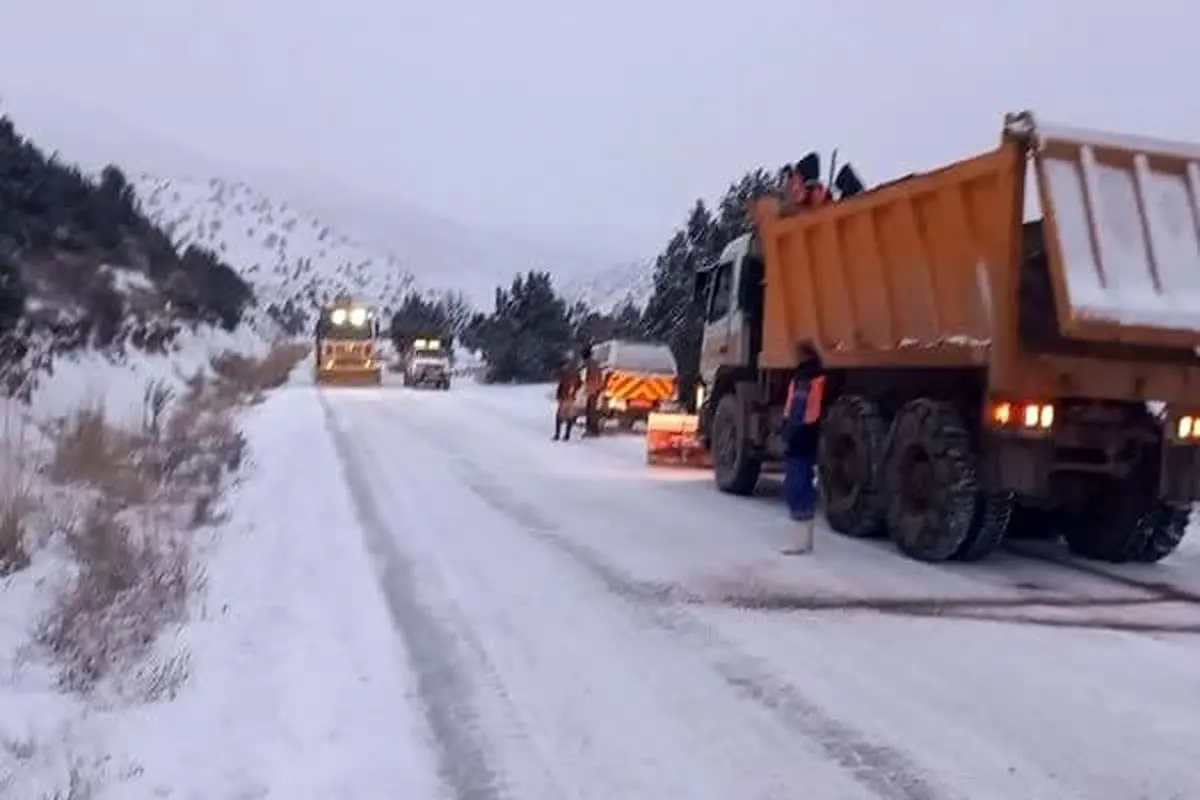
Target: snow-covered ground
[
  {"x": 420, "y": 595},
  {"x": 49, "y": 738}
]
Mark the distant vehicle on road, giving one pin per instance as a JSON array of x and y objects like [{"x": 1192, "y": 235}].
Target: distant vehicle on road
[{"x": 346, "y": 351}]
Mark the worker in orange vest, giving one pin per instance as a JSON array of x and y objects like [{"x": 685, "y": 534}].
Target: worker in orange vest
[
  {"x": 801, "y": 424},
  {"x": 593, "y": 385}
]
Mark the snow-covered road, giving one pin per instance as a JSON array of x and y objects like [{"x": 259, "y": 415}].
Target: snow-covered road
[{"x": 579, "y": 626}]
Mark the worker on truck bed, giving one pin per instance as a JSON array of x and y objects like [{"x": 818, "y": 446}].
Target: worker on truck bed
[
  {"x": 564, "y": 396},
  {"x": 801, "y": 421},
  {"x": 801, "y": 188}
]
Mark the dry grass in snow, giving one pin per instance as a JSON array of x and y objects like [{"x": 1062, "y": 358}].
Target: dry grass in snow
[{"x": 114, "y": 504}]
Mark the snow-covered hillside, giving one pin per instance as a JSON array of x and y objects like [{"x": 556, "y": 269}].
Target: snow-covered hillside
[
  {"x": 607, "y": 288},
  {"x": 291, "y": 254},
  {"x": 286, "y": 255}
]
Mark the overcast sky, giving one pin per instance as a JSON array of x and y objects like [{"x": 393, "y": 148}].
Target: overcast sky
[{"x": 598, "y": 121}]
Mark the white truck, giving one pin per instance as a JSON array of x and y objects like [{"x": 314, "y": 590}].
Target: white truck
[{"x": 426, "y": 362}]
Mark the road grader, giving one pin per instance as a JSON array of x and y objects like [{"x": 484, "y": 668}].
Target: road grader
[{"x": 347, "y": 346}]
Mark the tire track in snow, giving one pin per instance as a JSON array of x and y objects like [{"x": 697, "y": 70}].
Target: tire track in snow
[
  {"x": 883, "y": 770},
  {"x": 445, "y": 689}
]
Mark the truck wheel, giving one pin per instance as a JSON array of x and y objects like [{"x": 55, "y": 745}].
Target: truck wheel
[
  {"x": 735, "y": 466},
  {"x": 994, "y": 514},
  {"x": 1128, "y": 525},
  {"x": 931, "y": 481},
  {"x": 850, "y": 466}
]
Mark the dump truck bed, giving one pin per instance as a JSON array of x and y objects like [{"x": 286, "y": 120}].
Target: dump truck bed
[{"x": 931, "y": 270}]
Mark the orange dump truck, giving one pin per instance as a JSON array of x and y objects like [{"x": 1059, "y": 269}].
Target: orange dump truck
[{"x": 984, "y": 372}]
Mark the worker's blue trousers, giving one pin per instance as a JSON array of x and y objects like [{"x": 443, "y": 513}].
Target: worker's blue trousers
[{"x": 798, "y": 487}]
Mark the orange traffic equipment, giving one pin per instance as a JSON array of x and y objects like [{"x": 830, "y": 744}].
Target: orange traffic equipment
[{"x": 671, "y": 440}]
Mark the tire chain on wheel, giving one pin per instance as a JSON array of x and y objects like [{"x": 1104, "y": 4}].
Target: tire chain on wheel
[
  {"x": 1139, "y": 528},
  {"x": 993, "y": 517},
  {"x": 945, "y": 438},
  {"x": 866, "y": 518},
  {"x": 1168, "y": 525}
]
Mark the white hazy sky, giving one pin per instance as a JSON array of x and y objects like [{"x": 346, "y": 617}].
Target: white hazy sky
[{"x": 598, "y": 122}]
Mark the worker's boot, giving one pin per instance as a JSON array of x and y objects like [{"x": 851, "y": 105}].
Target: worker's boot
[
  {"x": 805, "y": 530},
  {"x": 558, "y": 430},
  {"x": 567, "y": 436}
]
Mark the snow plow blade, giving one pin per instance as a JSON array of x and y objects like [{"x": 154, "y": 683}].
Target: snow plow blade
[
  {"x": 672, "y": 440},
  {"x": 349, "y": 377}
]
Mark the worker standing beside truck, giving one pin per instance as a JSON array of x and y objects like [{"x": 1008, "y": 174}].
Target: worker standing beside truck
[
  {"x": 802, "y": 414},
  {"x": 593, "y": 385},
  {"x": 564, "y": 395}
]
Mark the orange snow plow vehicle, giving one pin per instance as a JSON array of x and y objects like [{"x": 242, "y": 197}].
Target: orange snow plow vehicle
[
  {"x": 347, "y": 351},
  {"x": 986, "y": 376}
]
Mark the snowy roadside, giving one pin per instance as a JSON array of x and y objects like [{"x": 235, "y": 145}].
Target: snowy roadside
[
  {"x": 302, "y": 689},
  {"x": 112, "y": 485}
]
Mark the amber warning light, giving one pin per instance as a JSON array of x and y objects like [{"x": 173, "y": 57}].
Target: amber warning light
[{"x": 1021, "y": 416}]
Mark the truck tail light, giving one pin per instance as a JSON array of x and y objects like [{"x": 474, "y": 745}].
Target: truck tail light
[
  {"x": 1017, "y": 415},
  {"x": 1187, "y": 429}
]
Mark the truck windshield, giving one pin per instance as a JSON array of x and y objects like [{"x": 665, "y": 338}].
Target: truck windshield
[{"x": 654, "y": 358}]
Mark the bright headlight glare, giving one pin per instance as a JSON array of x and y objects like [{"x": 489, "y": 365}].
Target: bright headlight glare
[
  {"x": 338, "y": 317},
  {"x": 358, "y": 317}
]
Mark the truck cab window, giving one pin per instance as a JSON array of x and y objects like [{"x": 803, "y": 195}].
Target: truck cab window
[{"x": 721, "y": 299}]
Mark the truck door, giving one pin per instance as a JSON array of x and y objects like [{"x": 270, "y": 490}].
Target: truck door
[{"x": 721, "y": 321}]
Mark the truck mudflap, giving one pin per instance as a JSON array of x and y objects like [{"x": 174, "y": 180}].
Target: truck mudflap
[{"x": 1122, "y": 217}]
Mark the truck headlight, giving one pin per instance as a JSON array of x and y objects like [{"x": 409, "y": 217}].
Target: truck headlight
[{"x": 699, "y": 396}]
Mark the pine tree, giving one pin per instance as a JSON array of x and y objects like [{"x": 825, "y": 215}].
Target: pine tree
[
  {"x": 529, "y": 332},
  {"x": 673, "y": 314}
]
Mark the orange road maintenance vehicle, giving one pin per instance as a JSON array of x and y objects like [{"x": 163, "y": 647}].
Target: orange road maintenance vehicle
[
  {"x": 639, "y": 377},
  {"x": 983, "y": 373},
  {"x": 347, "y": 346}
]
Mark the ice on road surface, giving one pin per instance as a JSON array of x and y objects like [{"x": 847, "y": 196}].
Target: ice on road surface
[{"x": 561, "y": 621}]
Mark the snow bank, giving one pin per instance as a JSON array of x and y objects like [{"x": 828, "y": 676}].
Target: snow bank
[
  {"x": 121, "y": 382},
  {"x": 49, "y": 740},
  {"x": 296, "y": 694},
  {"x": 286, "y": 688}
]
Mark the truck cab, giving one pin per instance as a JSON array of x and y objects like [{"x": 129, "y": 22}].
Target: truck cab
[{"x": 730, "y": 293}]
